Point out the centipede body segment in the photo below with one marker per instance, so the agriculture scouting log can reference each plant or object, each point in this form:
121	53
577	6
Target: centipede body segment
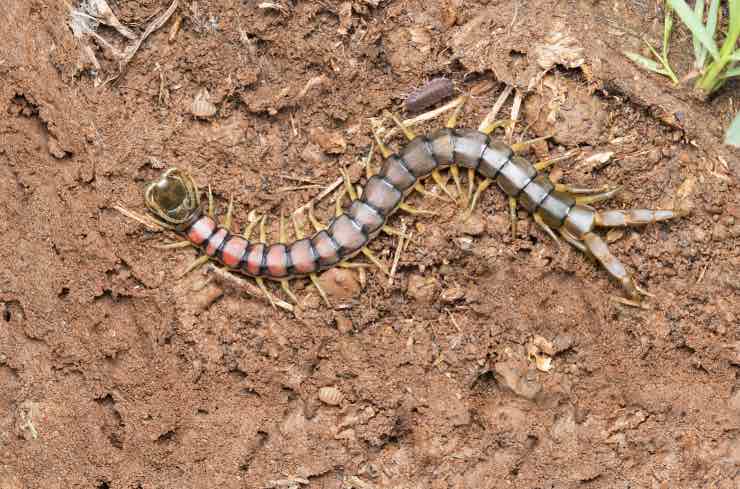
175	200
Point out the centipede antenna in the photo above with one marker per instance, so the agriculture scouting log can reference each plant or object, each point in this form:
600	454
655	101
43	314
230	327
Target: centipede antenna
229	212
406	131
211	211
452	121
263	288
474	200
374	259
513	216
197	263
538	219
145	220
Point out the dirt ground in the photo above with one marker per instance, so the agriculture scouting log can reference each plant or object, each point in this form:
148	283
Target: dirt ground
114	373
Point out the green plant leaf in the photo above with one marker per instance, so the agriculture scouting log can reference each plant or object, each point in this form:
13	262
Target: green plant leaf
646	63
735	56
732	137
713	17
695	25
700	52
731	73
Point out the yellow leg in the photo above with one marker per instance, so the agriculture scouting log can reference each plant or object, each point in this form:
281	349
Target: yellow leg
348	184
512	216
263	288
173	246
211	211
544	164
546	228
600	197
314	278
573	189
519	147
394	232
439	179
474	200
374	259
314	222
285	284
381	145
229	212
250	227
338	204
368	161
471	184
489	128
197	263
406	131
420	188
455	172
452	121
263	229
414	211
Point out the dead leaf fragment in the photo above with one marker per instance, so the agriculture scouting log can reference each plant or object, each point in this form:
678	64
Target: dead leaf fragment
559	49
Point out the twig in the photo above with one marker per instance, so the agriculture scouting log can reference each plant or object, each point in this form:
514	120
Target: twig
244	285
426	116
319	197
397	255
491	116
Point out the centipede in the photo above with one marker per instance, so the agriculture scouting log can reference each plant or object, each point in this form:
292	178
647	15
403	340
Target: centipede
562	211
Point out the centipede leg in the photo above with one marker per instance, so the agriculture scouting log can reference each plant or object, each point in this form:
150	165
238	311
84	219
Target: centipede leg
420	188
197	263
229	212
598	248
572	240
519	147
211	209
481	187
512	216
598	197
538	219
173	246
633	217
414	211
454	169
314	278
576	190
491	127
260	281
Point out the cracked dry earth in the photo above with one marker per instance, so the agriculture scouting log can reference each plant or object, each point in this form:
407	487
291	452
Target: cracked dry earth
488	361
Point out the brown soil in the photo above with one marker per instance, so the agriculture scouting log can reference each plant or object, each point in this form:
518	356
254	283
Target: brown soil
115	374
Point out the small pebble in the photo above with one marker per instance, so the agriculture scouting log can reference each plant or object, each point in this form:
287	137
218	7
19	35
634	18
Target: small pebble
340	283
422	288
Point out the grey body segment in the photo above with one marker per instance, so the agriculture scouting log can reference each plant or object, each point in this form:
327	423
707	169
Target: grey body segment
534	193
396	172
515	176
469	147
326	248
367	217
555	208
347	235
580	220
494	157
418	157
381	195
442	142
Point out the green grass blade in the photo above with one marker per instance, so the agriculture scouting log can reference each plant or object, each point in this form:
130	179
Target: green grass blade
732	72
646	63
733	133
735	56
699	52
713	17
695	25
667	28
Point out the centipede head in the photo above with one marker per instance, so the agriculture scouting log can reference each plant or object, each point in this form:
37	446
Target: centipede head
173	198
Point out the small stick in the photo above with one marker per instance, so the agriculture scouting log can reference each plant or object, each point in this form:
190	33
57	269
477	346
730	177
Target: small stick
320	197
516	106
244	285
426	116
145	220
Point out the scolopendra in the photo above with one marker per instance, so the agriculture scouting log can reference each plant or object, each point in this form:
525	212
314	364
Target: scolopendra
175	200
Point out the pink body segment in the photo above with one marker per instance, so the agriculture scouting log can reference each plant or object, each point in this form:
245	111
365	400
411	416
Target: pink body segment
201	230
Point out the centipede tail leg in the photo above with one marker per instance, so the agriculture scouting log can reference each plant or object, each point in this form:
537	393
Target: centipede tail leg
598	248
633	217
538	219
